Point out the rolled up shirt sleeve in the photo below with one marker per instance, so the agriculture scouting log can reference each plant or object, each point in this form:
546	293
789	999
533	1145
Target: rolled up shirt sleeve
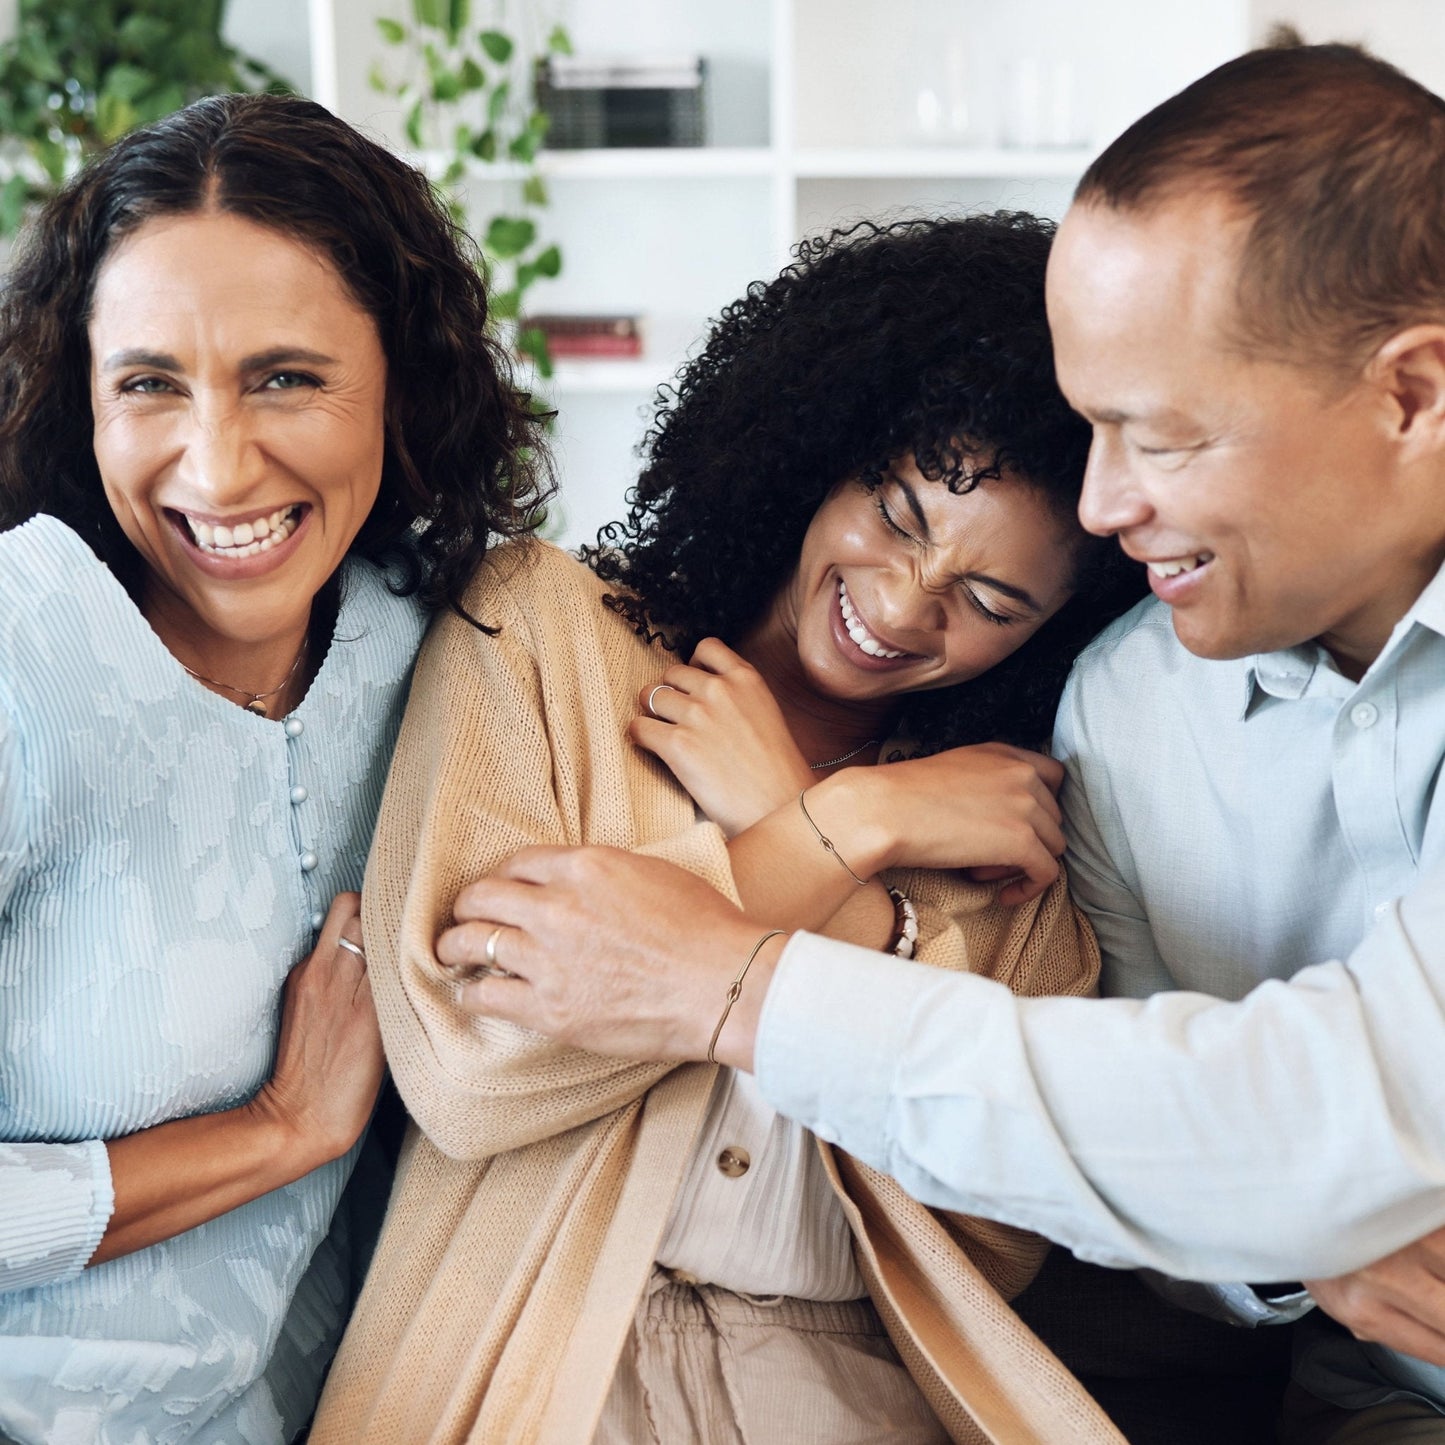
55	1202
1296	1133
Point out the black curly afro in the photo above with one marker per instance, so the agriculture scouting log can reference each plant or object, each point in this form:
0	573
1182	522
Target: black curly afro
925	337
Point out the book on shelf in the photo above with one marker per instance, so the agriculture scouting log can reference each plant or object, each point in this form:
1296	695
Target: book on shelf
589	336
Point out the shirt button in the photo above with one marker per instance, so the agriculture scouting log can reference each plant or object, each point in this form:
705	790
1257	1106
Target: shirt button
308	861
734	1162
1364	714
294	727
317	919
299	794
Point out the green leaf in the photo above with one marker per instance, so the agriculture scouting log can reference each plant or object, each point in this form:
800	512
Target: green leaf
459	15
497	46
549	263
376	79
126	82
533	342
485	146
559	42
13	198
505	305
446	85
114	117
454	172
497	102
413	125
428	13
534	191
473	77
392	31
509	236
526	275
524	147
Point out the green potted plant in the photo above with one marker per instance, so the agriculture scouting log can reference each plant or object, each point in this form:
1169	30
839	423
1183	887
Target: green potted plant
78	74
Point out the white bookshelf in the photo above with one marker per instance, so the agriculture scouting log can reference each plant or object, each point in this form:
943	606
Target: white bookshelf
816	118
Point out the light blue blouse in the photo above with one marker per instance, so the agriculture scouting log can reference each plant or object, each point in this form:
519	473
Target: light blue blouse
165	858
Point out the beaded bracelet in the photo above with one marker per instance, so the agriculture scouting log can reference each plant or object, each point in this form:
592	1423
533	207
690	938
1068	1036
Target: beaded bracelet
905	924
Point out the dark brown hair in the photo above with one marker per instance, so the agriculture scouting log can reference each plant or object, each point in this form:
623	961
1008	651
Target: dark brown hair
1337	162
464	459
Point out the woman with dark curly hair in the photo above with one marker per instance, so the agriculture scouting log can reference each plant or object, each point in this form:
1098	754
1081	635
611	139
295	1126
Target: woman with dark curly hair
854	537
252	431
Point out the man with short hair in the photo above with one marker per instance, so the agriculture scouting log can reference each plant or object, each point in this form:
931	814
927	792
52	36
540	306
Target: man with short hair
1248	304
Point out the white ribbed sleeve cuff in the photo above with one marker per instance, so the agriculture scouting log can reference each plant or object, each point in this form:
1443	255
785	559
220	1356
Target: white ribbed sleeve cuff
55	1202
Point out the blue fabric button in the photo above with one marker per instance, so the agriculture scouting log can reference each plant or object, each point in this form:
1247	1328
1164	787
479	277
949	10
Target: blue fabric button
299	794
308	861
317	919
294	727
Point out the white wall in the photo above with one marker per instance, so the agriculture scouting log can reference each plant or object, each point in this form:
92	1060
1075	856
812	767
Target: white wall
1407	33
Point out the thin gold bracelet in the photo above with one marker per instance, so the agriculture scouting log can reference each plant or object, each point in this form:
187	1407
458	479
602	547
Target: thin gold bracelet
827	843
735	992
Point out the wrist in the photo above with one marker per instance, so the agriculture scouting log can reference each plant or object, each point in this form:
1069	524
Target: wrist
276	1136
734	1043
850	809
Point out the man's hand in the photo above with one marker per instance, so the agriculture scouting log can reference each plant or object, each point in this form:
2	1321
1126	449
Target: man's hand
610	951
1398	1301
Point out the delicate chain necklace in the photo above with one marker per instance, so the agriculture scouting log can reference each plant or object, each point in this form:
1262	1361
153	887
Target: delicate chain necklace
255	701
833	762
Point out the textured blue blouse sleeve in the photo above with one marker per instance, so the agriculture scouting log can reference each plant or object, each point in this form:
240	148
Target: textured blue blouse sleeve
55	1199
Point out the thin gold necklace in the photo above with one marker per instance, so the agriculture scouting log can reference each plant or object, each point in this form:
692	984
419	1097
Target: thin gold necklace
255	701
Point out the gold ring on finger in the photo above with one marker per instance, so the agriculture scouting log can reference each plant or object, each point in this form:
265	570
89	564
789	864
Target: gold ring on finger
489	953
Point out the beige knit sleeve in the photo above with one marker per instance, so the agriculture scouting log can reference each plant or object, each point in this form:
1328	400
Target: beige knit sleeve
473	781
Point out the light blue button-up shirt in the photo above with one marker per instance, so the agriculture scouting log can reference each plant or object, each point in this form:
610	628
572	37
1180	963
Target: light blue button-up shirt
1230	823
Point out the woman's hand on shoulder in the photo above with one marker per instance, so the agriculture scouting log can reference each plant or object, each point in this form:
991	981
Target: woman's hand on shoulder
716	725
990	807
329	1062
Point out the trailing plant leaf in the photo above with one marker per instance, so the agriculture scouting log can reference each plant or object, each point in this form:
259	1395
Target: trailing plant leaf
497	46
476	106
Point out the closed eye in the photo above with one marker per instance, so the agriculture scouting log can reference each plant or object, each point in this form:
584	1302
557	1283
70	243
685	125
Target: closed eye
890	522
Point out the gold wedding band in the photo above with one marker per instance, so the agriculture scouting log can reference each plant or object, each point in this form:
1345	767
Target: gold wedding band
351	947
653	694
491	968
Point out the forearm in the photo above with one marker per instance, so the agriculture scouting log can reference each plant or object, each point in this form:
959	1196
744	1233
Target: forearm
785	876
175	1176
1268	1139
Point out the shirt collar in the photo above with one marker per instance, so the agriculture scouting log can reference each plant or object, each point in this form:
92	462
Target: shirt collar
1288	673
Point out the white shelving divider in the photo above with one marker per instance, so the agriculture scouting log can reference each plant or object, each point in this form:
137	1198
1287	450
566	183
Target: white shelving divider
819	116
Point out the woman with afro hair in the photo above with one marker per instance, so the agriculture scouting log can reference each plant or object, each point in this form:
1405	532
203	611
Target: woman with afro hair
853	540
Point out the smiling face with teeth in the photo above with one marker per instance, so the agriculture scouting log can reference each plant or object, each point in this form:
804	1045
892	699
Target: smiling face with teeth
912	587
238	392
1273	500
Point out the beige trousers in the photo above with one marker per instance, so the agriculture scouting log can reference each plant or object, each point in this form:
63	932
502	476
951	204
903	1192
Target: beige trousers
1308	1421
704	1366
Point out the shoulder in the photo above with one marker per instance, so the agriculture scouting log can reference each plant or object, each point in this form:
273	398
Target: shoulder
1137	668
532	577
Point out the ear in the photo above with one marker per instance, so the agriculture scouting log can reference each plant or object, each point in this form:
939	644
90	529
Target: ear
1410	368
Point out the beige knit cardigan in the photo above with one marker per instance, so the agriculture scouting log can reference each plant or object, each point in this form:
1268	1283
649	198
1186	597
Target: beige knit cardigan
530	1202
